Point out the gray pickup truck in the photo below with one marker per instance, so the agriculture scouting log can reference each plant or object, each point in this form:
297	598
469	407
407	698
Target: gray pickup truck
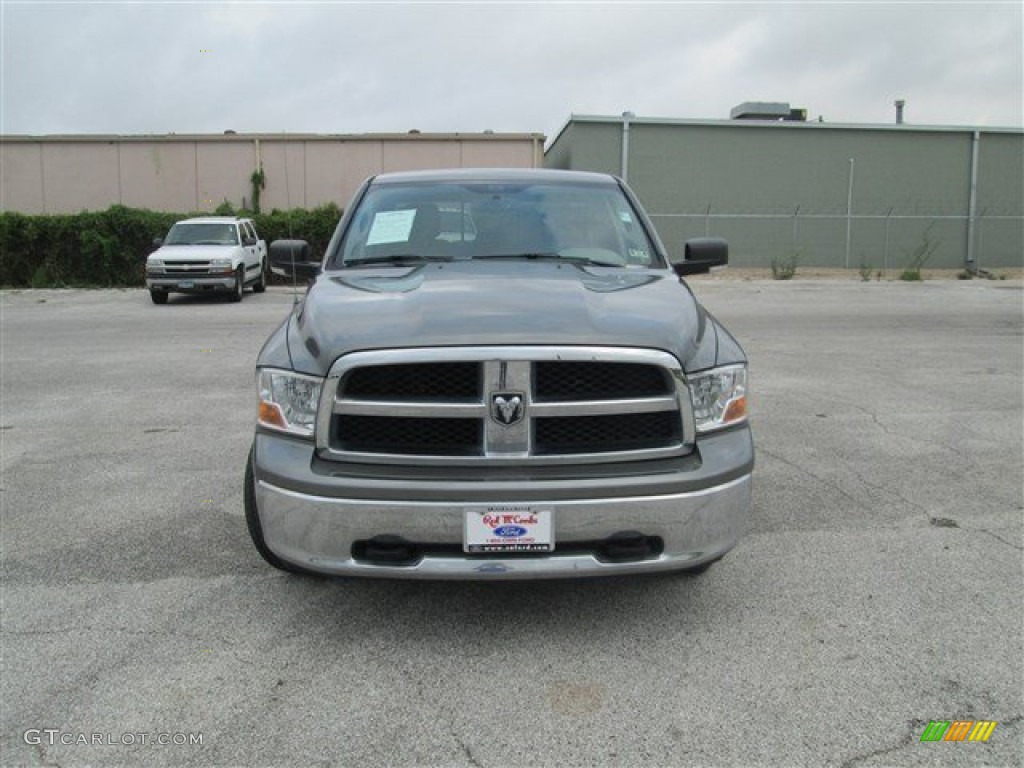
498	374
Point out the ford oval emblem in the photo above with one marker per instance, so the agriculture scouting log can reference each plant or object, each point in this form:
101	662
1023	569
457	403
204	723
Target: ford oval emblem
509	531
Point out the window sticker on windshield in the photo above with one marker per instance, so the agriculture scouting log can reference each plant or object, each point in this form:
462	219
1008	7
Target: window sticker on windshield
391	227
625	217
638	254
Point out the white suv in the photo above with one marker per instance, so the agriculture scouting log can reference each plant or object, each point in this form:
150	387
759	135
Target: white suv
208	254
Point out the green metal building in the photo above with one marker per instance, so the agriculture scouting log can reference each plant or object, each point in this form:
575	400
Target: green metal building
831	195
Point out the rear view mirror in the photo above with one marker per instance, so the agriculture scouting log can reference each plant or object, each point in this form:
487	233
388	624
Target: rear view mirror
701	254
293	258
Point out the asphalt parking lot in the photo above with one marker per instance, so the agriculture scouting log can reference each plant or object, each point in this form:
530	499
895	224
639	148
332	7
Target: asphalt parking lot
879	585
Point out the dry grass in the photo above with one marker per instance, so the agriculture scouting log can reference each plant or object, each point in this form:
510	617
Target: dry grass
805	273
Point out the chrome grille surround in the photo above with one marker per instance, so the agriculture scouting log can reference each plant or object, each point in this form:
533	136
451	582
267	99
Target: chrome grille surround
174	268
508	370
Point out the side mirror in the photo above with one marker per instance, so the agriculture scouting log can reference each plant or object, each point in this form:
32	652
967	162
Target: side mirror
157	242
701	254
293	258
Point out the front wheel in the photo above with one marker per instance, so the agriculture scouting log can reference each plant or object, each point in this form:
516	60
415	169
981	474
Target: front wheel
236	291
261	285
158	297
702	568
252	521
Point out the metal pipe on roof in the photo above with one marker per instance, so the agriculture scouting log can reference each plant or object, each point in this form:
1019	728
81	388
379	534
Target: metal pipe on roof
849	213
624	162
899	104
972	201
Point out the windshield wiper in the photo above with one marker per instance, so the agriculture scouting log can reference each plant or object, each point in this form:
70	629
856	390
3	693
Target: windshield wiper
396	258
553	256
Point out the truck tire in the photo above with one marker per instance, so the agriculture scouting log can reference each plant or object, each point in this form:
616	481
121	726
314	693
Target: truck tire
260	285
702	568
236	291
158	297
252	520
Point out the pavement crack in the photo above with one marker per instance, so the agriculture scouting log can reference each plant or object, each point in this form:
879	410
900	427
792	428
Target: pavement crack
827	483
469	755
961	457
893	492
120	630
913	726
44	760
1018	547
209	643
419	692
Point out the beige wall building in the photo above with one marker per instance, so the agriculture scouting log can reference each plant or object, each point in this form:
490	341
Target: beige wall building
196	173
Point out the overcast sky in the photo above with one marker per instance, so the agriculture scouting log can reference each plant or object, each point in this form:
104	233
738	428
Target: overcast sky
332	67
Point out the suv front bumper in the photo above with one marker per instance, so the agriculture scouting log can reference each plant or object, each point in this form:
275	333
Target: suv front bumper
313	514
191	284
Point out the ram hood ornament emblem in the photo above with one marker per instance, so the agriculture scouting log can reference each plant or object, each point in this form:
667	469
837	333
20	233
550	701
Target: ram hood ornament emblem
507	407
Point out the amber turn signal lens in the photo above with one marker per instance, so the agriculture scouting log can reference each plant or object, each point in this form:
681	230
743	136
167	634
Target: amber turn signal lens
736	410
270	414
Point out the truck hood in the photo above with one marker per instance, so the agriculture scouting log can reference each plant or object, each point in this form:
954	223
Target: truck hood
493	302
193	252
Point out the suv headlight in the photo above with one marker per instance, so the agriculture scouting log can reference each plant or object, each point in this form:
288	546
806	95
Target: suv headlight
220	265
719	397
288	401
155	266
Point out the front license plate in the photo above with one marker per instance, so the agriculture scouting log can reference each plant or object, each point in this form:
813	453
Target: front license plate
186	284
509	528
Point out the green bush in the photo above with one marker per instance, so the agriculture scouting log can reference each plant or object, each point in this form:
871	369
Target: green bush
922	253
315	225
108	248
784	268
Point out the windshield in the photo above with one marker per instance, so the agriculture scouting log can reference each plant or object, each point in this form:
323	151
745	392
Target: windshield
588	223
208	233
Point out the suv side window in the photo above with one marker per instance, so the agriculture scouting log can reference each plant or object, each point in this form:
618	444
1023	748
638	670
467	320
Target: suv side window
248	233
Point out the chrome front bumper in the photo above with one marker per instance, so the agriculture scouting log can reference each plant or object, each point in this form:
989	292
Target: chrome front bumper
318	532
190	284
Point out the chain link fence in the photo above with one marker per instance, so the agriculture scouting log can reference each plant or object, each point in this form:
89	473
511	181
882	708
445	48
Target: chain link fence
879	241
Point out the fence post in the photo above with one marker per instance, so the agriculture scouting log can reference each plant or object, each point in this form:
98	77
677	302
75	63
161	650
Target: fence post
849	213
981	239
885	249
796	214
972	203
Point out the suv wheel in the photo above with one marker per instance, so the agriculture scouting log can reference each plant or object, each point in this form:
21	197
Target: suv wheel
252	520
158	297
261	285
236	292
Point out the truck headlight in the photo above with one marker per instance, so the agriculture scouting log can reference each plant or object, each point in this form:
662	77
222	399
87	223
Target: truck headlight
288	401
156	266
220	265
719	397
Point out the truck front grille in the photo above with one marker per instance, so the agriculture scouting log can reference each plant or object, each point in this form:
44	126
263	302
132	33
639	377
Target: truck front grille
411	381
188	269
410	435
595	434
504	405
557	380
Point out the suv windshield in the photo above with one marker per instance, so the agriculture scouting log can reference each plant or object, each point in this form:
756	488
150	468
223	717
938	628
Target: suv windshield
444	221
208	233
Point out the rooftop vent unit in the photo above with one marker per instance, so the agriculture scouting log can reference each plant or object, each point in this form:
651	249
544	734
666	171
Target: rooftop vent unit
767	110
